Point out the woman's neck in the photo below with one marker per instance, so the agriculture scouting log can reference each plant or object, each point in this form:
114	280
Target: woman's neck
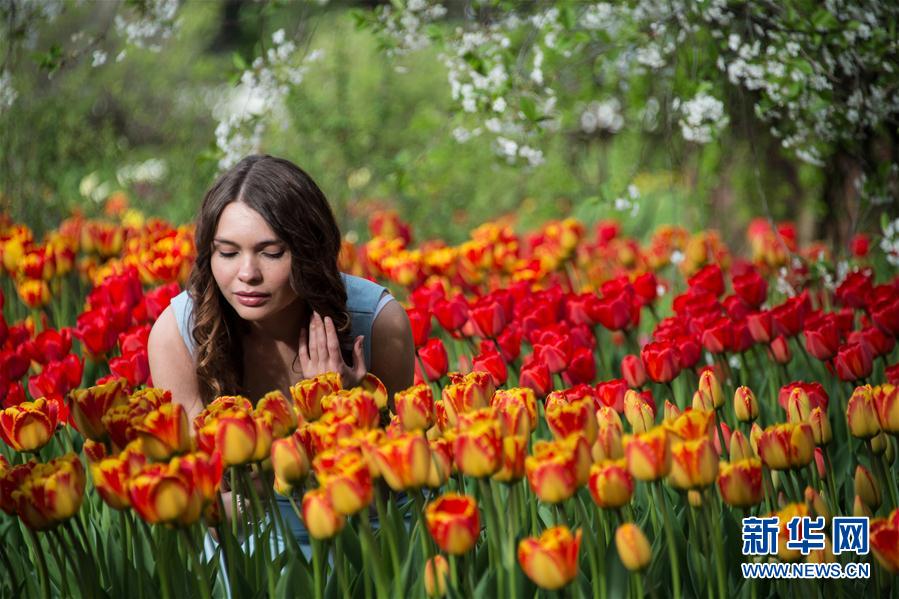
283	326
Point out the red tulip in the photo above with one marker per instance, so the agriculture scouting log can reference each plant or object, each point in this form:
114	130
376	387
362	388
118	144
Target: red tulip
420	323
433	357
662	361
751	287
489	318
853	362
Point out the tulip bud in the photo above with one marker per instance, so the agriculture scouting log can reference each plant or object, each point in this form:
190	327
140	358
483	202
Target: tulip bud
816	503
746	406
861	414
754	433
671	411
886	398
860	509
702	402
552	471
478	449
711	388
321	519
694	498
633	372
638	412
404	462
785	446
879	443
867	488
289	460
740	449
798	407
633	547
436	573
780	350
551	560
819	462
648	454
610	484
164	432
740	483
694	464
453	522
415	407
820	426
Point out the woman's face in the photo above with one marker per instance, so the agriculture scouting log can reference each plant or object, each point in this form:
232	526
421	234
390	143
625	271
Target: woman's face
251	266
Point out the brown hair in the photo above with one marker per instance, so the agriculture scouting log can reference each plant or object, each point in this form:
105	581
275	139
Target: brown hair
298	212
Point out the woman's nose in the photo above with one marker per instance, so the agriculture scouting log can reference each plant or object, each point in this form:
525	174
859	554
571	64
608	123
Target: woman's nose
249	271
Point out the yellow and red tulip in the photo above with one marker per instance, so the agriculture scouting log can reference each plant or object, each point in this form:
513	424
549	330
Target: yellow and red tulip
861	413
454	523
740	482
648	454
415	407
30	425
91	404
164	432
786	446
289	460
610	484
633	547
308	394
694	464
404	462
552	471
478	450
551	559
321	519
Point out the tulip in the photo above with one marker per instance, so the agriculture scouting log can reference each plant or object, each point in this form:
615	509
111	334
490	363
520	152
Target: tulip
478	449
813	392
51	492
671	412
710	387
751	287
780	350
648	454
347	482
861	413
204	471
356	405
740	482
321	519
798	406
884	540
633	372
489	318
633	547
820	426
159	495
91	404
436	573
692	424
886	400
453	522
507	403
662	361
823	341
746	406
694	464
30	425
307	394
854	362
34	293
434	359
536	377
639	412
283	416
565	419
552	471
164	432
235	437
739	448
786	446
515	449
468	393
608	444
610	484
415	407
785	515
867	488
551	560
760	326
816	504
289	460
860	509
111	476
441	461
404	462
11	478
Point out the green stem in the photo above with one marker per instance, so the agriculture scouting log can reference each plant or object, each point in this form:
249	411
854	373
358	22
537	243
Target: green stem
202	574
387	532
373	556
317	574
340	566
669	533
44	575
717	542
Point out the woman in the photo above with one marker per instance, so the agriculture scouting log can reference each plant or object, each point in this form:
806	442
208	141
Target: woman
266	305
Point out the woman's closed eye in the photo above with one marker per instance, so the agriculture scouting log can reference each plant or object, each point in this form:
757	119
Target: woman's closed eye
271	255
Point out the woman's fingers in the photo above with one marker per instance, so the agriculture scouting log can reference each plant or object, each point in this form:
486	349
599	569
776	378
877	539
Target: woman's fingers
335	359
315	343
359	368
303	349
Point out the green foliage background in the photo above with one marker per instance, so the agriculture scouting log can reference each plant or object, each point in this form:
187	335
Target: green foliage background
370	135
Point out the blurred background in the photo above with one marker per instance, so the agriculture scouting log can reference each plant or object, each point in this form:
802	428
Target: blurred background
151	99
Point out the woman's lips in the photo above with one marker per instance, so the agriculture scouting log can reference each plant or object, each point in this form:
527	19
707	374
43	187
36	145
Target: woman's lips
251	300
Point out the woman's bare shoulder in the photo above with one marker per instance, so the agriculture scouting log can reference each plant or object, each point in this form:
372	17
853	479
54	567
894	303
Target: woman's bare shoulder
171	365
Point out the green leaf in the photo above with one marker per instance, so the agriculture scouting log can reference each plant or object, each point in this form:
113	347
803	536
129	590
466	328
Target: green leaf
239	62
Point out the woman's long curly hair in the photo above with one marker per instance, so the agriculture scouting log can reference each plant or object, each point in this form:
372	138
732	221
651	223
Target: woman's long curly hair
298	212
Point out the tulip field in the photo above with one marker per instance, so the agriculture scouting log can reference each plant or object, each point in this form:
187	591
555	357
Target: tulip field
593	416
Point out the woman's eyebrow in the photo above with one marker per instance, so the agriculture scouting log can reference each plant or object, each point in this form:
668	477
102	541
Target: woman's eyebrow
259	245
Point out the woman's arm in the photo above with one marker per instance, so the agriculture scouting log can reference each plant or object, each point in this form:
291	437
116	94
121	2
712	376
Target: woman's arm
172	366
392	349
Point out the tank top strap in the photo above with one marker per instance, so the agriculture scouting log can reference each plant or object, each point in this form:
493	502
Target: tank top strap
183	307
362	301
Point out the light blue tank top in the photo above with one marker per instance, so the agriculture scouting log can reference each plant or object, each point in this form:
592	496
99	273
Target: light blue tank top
364	301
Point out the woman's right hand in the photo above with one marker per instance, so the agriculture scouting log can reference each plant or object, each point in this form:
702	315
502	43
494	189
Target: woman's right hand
319	352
